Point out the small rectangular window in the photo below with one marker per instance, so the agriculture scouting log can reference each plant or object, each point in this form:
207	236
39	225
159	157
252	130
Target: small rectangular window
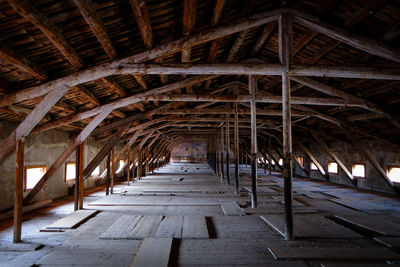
121	165
95	172
33	175
394	174
313	167
280	162
70	171
358	170
300	160
332	167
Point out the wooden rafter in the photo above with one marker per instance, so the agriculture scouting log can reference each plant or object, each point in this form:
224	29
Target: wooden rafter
22	63
89	12
34	16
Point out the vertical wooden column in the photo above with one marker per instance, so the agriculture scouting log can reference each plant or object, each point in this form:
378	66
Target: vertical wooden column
108	172
253	89
147	161
139	169
228	148
81	168
128	175
112	170
217	152
18	193
222	153
269	157
77	165
236	148
285	36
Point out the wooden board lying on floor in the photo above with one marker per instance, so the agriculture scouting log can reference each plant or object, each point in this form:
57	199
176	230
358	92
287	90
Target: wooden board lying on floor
285	253
358	205
391	242
122	227
231	208
279	210
170	226
310	226
72	220
194	227
149	201
380	224
139	227
153	252
146	227
295	203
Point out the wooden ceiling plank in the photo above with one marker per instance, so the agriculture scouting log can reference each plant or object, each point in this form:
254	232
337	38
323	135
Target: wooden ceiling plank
115	87
34	16
89	96
22	63
371	7
263	37
111	68
92	18
365	44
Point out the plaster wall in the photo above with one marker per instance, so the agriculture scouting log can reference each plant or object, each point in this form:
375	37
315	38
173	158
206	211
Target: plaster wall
349	155
43	149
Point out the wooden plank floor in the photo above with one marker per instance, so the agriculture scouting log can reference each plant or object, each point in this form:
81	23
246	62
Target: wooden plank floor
181	204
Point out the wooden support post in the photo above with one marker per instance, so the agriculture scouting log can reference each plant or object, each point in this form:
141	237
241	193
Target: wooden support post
253	89
236	149
269	157
285	39
222	152
108	173
112	170
18	193
81	181
147	162
76	187
129	165
139	169
228	149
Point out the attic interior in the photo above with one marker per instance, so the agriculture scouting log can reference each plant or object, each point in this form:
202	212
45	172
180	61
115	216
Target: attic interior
199	132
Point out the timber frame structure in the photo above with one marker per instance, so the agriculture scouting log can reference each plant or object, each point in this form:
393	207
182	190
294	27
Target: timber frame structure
259	75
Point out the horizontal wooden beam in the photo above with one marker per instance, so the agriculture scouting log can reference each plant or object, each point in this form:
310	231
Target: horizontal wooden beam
247	98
